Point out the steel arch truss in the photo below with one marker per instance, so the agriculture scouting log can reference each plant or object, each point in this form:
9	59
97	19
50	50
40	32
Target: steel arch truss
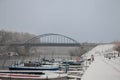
52	39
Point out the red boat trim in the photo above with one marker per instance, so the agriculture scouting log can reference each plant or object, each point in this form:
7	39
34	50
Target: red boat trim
18	75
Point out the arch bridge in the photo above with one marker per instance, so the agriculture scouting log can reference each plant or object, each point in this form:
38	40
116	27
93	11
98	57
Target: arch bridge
49	39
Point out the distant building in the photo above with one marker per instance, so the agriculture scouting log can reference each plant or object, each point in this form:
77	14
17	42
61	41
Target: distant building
12	54
111	54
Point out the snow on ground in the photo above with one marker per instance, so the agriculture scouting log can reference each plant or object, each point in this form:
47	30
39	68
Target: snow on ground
99	50
102	68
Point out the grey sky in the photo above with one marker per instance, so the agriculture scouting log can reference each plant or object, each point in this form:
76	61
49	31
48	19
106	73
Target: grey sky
83	20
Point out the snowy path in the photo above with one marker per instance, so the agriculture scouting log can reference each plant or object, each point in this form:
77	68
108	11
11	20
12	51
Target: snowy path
103	69
113	64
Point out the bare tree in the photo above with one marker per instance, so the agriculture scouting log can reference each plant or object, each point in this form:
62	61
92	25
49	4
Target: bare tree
4	38
7	37
117	48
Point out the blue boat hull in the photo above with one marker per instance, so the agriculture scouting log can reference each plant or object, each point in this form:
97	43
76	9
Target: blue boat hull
31	68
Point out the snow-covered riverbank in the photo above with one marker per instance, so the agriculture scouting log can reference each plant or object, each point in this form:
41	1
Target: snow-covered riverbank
102	68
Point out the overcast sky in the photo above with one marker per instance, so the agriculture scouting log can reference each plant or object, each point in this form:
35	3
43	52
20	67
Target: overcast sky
83	20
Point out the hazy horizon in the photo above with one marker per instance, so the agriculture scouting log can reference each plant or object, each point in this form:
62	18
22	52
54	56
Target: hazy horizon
82	20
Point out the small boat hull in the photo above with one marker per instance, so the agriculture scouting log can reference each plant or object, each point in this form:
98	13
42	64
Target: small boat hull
32	68
30	75
72	63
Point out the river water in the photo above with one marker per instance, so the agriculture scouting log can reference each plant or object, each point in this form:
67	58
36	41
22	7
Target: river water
6	61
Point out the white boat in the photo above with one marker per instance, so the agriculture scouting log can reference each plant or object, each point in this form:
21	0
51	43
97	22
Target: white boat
34	66
31	75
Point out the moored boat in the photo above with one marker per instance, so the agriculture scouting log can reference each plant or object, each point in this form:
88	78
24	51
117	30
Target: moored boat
34	66
72	62
31	75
